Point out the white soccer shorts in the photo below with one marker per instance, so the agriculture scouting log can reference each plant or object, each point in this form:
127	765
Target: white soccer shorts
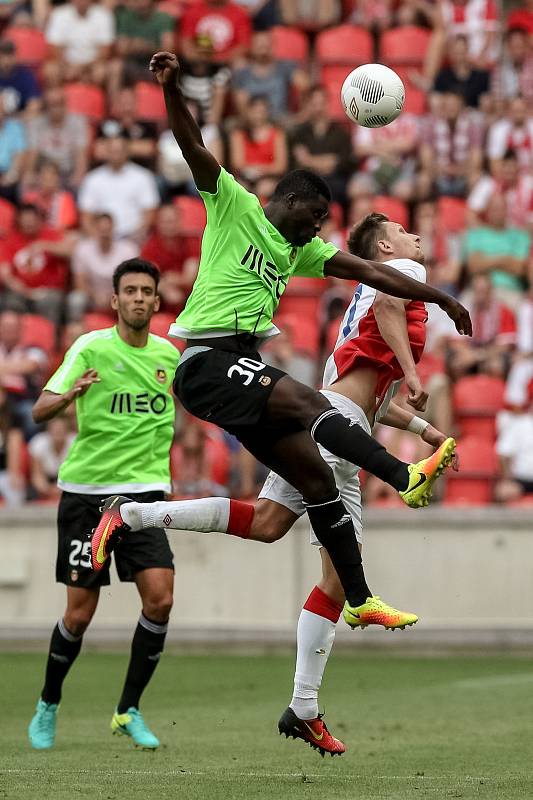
346	474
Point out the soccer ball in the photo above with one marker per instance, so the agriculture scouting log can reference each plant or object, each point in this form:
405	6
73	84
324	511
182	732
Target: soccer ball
373	95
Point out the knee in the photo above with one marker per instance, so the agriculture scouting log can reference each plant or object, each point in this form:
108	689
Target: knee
318	486
78	620
157	607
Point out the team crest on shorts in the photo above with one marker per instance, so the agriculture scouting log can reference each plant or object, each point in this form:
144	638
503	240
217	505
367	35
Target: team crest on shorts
161	375
74	575
265	380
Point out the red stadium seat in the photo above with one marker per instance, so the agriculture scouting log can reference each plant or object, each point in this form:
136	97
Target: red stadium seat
31	45
303	331
302	297
7	216
192	215
405	45
478	469
97	320
476	401
149	102
336	213
38	331
85	99
160	323
345	44
332	76
289	43
451	214
395	209
415	100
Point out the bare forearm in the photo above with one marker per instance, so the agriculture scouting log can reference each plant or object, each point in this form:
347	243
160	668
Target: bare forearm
396	417
182	123
49	405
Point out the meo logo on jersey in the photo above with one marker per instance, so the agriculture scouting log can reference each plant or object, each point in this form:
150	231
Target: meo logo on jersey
142	403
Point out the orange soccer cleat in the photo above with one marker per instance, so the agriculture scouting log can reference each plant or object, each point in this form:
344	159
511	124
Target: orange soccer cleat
312	731
375	612
109	531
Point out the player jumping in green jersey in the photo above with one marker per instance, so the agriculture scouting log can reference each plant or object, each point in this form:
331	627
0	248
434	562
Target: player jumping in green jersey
120	380
248	256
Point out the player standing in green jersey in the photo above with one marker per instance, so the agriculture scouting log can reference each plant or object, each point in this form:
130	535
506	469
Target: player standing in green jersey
120	379
248	256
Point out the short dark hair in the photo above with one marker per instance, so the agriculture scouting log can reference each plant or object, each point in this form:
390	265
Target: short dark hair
304	184
103	215
363	239
135	265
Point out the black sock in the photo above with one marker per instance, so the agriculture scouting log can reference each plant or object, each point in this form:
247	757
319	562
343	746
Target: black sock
146	648
349	441
334	529
64	649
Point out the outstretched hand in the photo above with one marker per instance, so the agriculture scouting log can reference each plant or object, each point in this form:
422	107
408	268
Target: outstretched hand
458	314
165	67
83	384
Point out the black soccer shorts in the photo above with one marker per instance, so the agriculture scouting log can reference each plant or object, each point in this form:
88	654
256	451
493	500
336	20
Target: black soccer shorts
77	515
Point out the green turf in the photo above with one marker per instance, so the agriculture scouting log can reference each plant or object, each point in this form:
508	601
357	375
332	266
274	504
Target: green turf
414	728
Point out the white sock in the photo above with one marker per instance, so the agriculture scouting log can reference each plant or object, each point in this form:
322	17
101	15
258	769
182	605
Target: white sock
208	515
314	640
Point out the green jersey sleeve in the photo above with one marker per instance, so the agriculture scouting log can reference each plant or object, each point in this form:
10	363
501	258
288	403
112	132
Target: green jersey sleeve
311	258
230	199
74	364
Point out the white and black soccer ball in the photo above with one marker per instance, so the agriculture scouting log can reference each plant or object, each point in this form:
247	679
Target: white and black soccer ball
373	95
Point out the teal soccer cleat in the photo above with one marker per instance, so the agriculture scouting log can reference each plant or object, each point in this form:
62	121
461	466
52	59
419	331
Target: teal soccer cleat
42	728
132	724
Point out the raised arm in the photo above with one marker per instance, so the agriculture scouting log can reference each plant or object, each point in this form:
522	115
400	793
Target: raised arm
391	281
204	166
50	404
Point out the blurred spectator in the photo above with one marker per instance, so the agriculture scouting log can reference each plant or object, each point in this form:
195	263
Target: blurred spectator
193	465
11	446
122	189
478	21
56	204
460	75
264	14
80	34
506	179
224	23
34	266
140	136
18	85
48	450
442	250
312	15
258	149
321	144
513	74
280	353
12	153
515	449
176	256
493	338
22	370
521	372
61	137
266	76
450	153
174	174
513	132
205	82
500	251
522	17
376	15
94	260
141	30
387	158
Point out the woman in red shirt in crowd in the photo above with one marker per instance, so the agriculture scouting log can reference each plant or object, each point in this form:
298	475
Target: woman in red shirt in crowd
258	149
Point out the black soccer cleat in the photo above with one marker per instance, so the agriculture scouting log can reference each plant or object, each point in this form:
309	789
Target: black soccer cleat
313	731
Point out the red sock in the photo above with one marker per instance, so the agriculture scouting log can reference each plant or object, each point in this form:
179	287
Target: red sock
320	603
240	518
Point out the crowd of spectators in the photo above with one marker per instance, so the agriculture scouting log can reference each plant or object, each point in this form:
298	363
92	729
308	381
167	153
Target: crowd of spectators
90	175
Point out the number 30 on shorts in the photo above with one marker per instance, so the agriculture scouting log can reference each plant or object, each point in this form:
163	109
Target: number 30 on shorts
80	554
247	368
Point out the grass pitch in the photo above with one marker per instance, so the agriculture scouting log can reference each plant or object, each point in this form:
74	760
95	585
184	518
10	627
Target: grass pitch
414	728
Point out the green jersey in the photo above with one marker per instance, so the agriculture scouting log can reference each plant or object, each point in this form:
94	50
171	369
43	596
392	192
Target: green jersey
125	422
244	268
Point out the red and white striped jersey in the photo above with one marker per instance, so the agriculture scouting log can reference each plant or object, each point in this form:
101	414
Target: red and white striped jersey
360	344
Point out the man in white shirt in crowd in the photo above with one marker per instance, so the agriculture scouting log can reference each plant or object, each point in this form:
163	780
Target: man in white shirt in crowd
80	35
515	449
94	260
122	189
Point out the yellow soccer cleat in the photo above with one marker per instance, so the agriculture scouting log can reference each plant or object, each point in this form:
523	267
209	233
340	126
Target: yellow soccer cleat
376	612
423	475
